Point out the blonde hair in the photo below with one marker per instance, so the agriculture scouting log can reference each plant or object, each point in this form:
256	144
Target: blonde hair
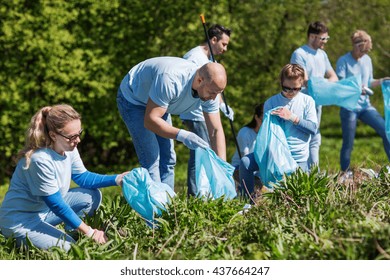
49	118
360	37
292	72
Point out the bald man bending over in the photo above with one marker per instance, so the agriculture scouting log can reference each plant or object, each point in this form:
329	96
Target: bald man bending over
158	87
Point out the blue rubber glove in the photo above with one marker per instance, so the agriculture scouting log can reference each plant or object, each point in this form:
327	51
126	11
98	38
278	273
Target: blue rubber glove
222	107
191	140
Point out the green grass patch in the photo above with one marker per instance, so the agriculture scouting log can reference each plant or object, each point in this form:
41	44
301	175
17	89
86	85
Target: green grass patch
312	217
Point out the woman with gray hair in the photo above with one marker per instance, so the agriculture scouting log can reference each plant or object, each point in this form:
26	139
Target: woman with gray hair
358	63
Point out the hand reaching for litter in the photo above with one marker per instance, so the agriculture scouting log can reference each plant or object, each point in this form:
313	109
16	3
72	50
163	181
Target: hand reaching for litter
191	140
119	178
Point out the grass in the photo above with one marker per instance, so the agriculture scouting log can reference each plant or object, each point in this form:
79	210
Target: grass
313	217
368	149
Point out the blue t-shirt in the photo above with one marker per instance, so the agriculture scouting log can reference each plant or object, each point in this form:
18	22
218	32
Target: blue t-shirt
348	66
167	81
246	138
315	62
303	106
197	56
48	173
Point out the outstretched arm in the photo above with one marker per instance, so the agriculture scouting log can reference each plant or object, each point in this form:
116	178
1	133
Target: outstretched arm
59	207
331	76
155	123
91	180
378	82
216	133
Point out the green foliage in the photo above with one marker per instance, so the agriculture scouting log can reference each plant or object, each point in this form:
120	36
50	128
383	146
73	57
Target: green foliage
311	216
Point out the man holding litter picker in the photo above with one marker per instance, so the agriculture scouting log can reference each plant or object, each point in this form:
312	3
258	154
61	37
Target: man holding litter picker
218	37
158	87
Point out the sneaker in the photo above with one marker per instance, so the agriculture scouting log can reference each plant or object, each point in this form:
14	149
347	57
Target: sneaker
348	175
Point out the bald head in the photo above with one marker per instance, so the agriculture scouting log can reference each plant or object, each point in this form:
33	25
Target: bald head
214	73
210	80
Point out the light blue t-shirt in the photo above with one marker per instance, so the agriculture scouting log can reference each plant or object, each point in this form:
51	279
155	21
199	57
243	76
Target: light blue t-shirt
167	81
348	66
197	56
304	107
246	138
315	62
48	173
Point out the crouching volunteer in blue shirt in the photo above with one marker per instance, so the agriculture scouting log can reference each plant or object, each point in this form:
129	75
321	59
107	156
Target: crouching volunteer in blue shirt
246	139
39	196
300	122
158	87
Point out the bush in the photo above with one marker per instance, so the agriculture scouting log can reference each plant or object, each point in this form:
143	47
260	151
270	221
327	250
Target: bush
77	52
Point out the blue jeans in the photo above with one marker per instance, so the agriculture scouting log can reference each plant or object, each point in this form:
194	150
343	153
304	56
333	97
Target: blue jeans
349	119
200	129
248	166
155	153
45	235
315	142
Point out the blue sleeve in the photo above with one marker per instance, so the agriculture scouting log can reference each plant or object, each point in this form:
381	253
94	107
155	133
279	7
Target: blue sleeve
91	180
307	126
297	58
308	122
341	68
62	210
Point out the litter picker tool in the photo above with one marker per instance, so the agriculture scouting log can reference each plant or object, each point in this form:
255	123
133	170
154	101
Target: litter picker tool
223	95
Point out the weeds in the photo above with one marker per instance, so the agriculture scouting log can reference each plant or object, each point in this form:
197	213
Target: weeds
310	216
